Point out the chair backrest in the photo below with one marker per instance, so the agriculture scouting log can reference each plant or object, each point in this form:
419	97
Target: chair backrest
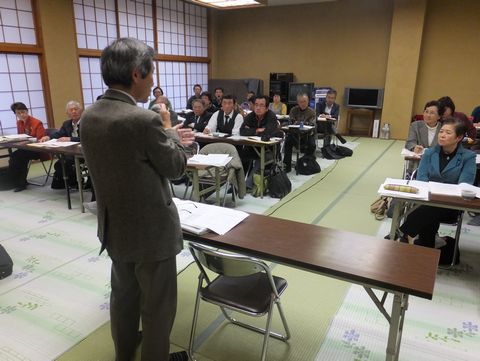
228	264
50	131
220	148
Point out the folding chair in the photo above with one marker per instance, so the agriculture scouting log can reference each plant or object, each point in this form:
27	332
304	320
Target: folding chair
243	284
207	177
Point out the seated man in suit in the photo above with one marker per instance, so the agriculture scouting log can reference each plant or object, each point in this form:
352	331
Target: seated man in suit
198	119
18	163
69	132
300	114
327	108
226	120
197	90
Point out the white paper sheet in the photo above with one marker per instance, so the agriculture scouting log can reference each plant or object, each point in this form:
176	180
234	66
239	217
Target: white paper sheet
198	217
217	160
54	143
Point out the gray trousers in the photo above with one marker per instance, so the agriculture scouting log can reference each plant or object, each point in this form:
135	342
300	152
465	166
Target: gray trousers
149	290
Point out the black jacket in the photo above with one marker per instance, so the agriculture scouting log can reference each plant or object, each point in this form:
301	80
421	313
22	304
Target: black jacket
66	131
251	124
202	121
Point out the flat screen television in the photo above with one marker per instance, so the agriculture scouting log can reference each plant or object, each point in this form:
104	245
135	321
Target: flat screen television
296	88
364	98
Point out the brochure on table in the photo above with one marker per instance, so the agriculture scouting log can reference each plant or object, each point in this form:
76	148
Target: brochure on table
424	188
199	218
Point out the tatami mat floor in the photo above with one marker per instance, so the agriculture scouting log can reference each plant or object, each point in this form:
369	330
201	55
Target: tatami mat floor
338	197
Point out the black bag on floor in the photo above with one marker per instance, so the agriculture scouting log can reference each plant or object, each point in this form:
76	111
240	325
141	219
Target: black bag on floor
332	151
278	183
446	252
6	263
307	165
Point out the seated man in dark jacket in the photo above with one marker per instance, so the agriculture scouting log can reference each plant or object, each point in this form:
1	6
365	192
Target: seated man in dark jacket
198	119
260	122
300	114
69	132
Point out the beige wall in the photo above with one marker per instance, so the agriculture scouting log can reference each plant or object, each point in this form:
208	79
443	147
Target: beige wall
357	49
337	44
402	67
56	17
450	56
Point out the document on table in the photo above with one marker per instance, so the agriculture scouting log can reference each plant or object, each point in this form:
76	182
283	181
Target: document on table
259	139
306	127
217	160
199	218
408	153
54	143
477	160
10	137
452	189
422	187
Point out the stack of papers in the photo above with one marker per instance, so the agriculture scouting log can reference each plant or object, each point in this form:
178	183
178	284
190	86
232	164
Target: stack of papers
452	189
424	188
259	139
408	153
54	143
200	218
279	116
9	138
217	160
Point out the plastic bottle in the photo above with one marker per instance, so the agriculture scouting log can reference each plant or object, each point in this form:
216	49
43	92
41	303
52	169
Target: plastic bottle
301	125
386	131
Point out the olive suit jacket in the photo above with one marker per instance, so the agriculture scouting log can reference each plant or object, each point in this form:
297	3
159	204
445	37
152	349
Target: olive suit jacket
130	157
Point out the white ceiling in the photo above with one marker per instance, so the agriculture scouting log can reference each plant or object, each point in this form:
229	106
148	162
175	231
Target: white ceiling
294	2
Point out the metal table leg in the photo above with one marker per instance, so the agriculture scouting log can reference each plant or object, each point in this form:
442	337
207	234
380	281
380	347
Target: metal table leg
65	179
79	182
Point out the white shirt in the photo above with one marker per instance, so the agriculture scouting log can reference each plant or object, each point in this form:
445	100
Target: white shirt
328	109
431	133
212	123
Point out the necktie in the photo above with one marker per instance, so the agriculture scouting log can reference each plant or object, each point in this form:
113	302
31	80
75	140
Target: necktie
196	119
227	118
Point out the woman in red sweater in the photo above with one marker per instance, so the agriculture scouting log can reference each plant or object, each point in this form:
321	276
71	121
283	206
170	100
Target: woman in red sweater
18	165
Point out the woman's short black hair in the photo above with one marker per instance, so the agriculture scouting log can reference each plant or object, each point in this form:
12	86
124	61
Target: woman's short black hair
460	128
432	103
446	102
157	87
18	106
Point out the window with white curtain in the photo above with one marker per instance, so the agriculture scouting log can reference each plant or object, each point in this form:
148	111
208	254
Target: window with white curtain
173	82
181	30
135	20
197	73
16	22
95	22
92	82
196	30
170	27
20	81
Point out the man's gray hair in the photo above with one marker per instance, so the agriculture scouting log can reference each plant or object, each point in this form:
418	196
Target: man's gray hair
122	57
301	95
74	103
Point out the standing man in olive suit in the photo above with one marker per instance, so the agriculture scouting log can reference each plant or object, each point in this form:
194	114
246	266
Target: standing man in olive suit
131	154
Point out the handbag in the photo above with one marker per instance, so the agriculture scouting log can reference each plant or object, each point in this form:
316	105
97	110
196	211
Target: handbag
278	183
379	207
6	263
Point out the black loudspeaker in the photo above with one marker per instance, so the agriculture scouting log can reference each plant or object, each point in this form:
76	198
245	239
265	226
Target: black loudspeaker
279	84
